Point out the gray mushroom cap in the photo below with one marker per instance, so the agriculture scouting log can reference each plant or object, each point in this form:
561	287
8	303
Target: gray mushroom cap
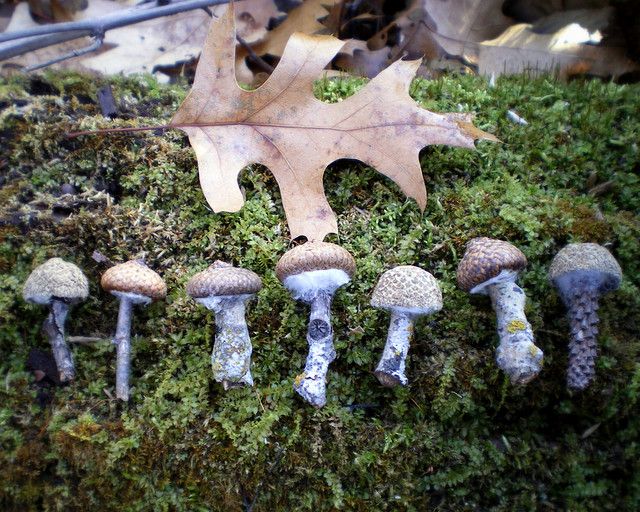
586	263
408	289
56	279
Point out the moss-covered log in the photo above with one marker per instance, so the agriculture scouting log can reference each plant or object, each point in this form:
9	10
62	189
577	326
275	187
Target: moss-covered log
459	437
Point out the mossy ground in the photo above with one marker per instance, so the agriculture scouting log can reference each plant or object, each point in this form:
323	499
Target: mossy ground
459	437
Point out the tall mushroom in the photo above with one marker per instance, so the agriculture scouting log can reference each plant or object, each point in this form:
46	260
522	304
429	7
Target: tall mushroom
312	272
57	284
407	292
583	273
225	290
132	283
491	267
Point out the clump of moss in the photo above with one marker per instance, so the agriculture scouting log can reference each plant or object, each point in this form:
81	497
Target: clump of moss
459	437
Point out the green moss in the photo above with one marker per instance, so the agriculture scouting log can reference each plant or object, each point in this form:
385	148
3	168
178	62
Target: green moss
460	437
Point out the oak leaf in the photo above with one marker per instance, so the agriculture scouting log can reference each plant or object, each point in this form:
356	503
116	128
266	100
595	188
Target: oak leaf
284	127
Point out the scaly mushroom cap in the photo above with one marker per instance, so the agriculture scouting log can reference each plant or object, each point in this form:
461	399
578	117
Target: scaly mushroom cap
56	278
134	277
223	279
588	259
313	256
407	288
485	258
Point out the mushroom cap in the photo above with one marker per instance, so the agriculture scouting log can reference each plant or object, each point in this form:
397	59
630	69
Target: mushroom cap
485	258
587	259
134	277
221	279
56	278
313	256
408	288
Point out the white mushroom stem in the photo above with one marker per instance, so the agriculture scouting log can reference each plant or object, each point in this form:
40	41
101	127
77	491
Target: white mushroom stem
122	341
231	356
312	383
53	326
516	355
391	368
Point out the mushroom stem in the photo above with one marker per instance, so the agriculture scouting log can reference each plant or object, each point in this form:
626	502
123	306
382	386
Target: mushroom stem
582	312
516	355
391	368
123	348
312	383
231	356
53	327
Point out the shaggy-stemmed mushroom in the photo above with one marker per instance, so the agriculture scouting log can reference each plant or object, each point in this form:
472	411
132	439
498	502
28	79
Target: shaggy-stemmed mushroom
491	267
57	284
132	283
312	272
582	273
225	290
407	292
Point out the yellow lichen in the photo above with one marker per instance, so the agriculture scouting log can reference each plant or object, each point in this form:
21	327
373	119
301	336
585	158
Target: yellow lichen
515	326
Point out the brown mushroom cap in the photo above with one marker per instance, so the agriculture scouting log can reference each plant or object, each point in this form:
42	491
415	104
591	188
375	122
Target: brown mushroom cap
223	279
587	257
407	287
134	277
56	278
485	258
313	256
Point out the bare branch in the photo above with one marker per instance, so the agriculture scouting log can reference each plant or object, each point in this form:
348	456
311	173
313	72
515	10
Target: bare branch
23	41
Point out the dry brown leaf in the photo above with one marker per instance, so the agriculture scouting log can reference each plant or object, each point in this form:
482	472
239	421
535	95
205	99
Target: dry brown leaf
356	58
303	18
436	28
283	126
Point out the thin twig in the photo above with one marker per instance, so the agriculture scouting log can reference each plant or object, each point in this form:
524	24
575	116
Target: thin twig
97	43
259	61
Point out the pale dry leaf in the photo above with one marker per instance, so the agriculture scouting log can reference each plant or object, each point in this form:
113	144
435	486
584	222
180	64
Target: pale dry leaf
283	126
144	46
22	20
566	52
162	42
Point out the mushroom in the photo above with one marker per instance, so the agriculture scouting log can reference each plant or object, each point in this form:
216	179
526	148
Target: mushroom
491	267
132	283
225	290
312	272
407	292
57	284
582	273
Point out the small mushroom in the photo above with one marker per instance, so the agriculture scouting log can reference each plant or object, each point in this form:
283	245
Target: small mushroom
491	267
407	292
582	273
225	290
57	284
132	283
312	272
